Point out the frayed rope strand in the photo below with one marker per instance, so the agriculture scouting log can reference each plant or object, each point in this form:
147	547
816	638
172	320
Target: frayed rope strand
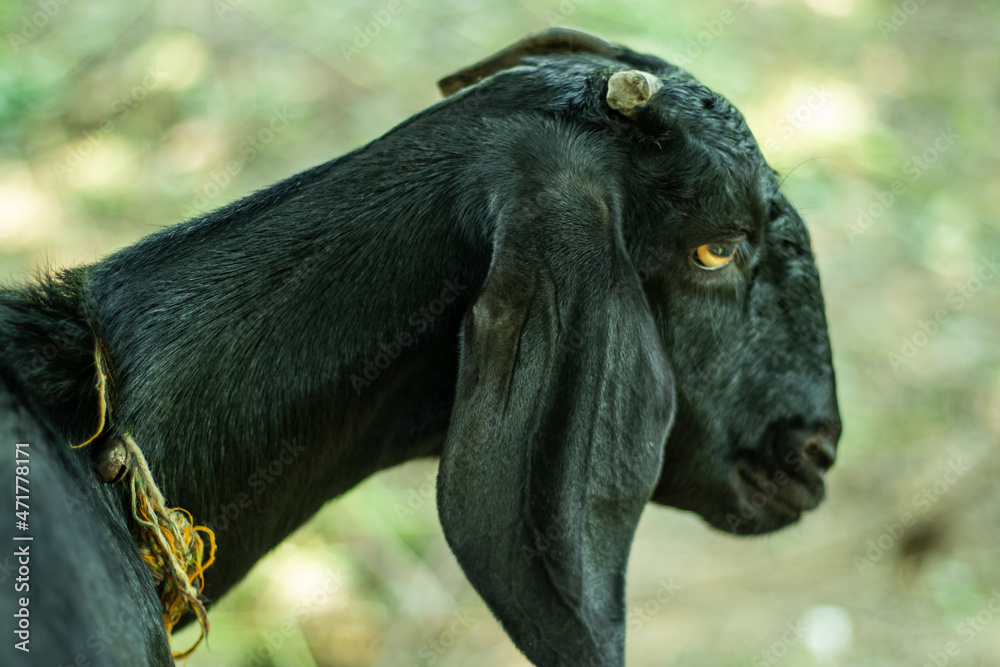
102	395
172	547
170	543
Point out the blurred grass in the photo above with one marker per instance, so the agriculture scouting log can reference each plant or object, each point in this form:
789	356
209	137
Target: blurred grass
119	118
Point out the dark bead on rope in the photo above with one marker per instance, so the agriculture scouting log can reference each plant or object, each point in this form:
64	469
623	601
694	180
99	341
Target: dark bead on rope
112	462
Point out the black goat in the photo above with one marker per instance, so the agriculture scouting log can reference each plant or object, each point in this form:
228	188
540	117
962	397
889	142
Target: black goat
576	280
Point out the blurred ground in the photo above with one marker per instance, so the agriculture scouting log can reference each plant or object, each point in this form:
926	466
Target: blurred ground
118	118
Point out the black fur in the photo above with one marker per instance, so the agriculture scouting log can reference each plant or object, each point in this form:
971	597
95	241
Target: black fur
505	280
90	597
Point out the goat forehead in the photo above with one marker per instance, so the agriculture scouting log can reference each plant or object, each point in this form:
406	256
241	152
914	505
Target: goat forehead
727	194
789	228
711	117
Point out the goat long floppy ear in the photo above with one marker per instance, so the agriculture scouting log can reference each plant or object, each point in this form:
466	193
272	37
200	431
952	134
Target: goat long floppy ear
563	405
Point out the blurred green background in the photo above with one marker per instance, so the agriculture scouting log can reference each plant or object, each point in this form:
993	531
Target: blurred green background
117	118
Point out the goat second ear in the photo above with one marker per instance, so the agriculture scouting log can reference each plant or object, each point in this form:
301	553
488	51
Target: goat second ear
553	40
563	405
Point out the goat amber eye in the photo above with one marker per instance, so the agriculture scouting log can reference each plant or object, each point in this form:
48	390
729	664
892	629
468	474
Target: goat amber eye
713	256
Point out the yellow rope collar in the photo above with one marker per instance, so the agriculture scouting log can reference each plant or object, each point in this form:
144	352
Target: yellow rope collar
170	543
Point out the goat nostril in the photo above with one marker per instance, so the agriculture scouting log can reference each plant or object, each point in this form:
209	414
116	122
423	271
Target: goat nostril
820	450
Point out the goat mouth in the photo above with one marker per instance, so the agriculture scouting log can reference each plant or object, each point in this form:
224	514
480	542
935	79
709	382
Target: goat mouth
782	495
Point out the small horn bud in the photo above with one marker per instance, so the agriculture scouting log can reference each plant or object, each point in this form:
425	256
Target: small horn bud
627	91
112	462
